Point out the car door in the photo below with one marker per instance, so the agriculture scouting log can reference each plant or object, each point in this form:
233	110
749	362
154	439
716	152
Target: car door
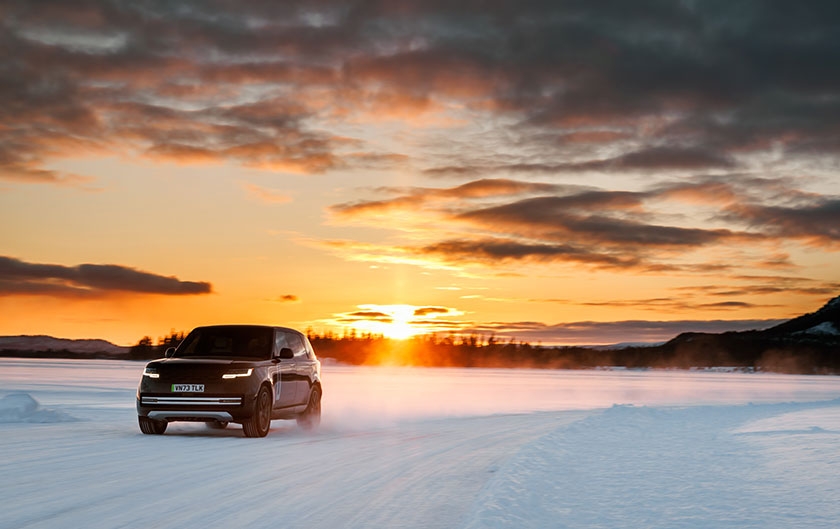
284	373
307	369
301	381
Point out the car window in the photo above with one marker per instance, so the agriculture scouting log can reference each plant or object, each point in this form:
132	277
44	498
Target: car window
310	352
295	344
238	341
280	341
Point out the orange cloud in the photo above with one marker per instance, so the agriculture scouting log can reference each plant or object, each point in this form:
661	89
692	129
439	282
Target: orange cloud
491	221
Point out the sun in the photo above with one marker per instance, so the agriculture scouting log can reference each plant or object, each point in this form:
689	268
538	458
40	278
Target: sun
397	322
399	331
400	327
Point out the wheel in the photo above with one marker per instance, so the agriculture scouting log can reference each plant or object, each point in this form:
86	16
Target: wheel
150	426
259	424
311	416
217	425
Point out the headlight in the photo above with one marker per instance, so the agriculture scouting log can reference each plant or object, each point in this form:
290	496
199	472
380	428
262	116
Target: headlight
151	372
236	373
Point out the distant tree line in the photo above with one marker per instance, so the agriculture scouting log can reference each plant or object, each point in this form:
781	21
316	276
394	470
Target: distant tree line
429	350
746	350
146	350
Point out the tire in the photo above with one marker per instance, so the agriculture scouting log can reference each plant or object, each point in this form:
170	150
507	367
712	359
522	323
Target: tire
217	425
260	423
150	426
310	419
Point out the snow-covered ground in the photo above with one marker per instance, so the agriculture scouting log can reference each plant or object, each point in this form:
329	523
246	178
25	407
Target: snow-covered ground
426	448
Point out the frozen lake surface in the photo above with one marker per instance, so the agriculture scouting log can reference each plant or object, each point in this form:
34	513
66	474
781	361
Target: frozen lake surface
426	448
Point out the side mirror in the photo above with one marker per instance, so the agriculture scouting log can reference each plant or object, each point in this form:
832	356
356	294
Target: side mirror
169	352
285	354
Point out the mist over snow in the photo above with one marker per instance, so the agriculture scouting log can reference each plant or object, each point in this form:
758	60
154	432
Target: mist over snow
431	448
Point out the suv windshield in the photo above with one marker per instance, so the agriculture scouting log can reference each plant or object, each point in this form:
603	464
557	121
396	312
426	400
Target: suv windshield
238	341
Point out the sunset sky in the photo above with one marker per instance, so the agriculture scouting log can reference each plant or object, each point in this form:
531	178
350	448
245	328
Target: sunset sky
559	172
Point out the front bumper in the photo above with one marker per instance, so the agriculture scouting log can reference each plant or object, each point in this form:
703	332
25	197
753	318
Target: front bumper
195	408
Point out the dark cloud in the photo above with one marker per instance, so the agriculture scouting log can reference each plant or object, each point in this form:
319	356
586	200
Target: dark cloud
671	158
736	289
674	303
592	217
817	223
767	285
430	311
501	219
590	224
365	315
728	305
410	198
489	187
668	85
36	288
102	81
497	250
88	280
651	159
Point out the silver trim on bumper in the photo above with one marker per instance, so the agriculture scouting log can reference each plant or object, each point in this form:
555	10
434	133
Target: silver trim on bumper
210	415
193	401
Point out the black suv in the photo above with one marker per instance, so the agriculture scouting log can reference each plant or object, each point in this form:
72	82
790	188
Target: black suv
248	374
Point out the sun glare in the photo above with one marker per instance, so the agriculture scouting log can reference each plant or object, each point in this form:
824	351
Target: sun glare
401	327
397	322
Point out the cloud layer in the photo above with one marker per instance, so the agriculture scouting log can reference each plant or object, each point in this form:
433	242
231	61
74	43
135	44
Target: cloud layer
88	280
505	220
691	140
682	86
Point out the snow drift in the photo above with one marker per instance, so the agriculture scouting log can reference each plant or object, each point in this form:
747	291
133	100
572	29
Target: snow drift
22	407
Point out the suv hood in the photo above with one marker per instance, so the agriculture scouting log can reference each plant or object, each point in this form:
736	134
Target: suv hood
205	361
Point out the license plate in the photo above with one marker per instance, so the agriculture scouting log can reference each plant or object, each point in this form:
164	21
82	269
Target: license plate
188	388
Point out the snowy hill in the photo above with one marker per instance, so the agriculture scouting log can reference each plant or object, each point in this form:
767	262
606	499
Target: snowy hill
807	344
48	344
824	321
